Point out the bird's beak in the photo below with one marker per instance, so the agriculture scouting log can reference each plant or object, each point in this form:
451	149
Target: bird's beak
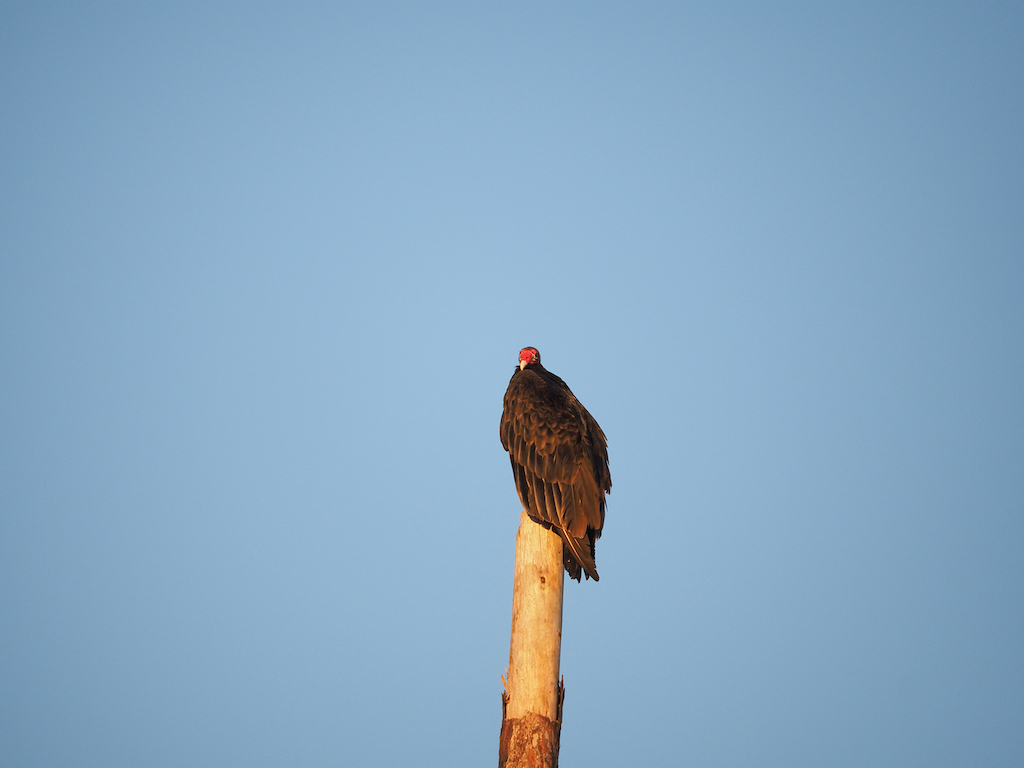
522	364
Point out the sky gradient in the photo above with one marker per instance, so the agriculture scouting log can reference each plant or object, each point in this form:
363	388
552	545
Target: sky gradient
264	275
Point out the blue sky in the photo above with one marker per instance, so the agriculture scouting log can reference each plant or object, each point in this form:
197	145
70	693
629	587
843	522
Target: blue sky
264	274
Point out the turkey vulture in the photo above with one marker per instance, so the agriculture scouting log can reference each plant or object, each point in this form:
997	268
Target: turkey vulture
559	460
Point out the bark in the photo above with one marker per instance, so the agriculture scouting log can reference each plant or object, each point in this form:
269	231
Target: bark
531	740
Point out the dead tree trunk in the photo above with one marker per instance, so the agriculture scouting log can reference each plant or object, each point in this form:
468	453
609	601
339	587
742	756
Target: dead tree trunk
531	719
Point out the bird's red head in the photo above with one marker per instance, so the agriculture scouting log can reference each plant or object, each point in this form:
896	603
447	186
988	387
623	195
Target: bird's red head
528	356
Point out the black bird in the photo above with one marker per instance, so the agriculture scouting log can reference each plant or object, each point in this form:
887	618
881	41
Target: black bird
559	460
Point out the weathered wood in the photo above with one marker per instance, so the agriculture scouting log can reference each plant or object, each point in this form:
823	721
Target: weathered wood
532	703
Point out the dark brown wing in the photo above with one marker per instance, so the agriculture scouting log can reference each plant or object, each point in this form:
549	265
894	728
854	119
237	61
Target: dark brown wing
559	460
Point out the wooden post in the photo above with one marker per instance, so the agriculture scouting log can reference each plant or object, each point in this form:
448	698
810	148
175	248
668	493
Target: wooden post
532	702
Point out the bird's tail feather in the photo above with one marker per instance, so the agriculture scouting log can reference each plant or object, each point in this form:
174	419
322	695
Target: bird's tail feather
576	555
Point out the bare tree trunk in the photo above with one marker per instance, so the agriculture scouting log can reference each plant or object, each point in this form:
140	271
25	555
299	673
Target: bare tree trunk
532	703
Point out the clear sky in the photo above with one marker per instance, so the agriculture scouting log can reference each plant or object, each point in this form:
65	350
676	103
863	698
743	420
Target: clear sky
264	274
